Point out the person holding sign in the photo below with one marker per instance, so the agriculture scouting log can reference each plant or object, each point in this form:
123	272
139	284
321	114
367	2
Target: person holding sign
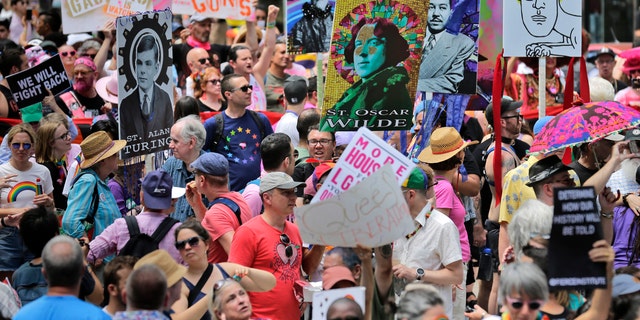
12	61
147	111
431	253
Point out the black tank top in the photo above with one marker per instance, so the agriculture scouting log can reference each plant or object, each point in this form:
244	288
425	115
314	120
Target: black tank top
14	111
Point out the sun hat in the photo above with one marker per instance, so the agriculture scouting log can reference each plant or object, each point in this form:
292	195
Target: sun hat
417	179
156	189
213	164
277	180
163	260
331	276
632	63
545	168
99	146
445	143
107	88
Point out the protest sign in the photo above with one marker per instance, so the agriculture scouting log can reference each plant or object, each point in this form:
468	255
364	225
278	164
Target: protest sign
89	16
376	48
553	29
576	226
309	25
223	9
30	86
322	300
365	154
145	90
371	213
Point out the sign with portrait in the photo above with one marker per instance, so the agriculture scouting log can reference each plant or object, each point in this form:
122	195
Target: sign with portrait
145	90
222	9
376	48
450	55
30	86
309	25
542	29
323	300
89	16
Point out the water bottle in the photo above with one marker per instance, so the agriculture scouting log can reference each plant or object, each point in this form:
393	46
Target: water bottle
485	265
38	186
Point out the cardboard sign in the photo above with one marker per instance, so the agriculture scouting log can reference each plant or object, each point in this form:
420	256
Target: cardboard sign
534	30
365	154
372	213
322	300
576	226
30	86
374	89
223	9
145	91
88	16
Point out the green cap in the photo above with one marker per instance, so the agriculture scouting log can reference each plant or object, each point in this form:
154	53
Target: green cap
417	180
32	113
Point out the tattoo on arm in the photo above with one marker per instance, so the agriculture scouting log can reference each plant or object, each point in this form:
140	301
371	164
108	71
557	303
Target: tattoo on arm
386	251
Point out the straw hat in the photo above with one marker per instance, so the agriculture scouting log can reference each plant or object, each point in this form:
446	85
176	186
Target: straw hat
99	146
445	143
163	260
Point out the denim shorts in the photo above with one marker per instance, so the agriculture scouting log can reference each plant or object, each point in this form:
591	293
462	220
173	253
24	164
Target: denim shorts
12	249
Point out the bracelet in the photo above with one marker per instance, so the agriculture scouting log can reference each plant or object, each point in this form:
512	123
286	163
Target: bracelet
606	215
236	277
3	223
624	199
271	24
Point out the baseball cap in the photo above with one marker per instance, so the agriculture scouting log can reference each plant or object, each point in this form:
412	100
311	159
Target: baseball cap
213	164
605	50
32	113
624	284
198	17
633	134
615	137
277	180
335	274
321	170
295	89
417	180
545	168
506	104
163	260
156	188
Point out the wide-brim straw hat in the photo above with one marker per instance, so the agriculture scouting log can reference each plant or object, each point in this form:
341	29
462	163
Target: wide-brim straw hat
97	147
445	143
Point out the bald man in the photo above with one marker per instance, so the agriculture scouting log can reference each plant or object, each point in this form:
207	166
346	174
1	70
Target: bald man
198	59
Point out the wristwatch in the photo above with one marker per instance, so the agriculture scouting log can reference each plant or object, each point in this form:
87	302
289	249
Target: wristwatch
419	274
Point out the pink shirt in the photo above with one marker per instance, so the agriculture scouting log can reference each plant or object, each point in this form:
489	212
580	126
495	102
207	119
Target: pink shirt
116	236
446	198
219	220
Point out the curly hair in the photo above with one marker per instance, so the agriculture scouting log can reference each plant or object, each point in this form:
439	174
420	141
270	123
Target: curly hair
396	48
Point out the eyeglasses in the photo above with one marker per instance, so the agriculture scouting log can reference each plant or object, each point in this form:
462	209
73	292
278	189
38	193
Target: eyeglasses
288	251
25	146
520	117
64	136
518	304
214	81
68	53
244	88
323	142
204	60
433	184
564	182
193	242
92	56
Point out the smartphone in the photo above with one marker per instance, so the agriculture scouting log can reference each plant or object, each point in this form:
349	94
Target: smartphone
468	309
29	14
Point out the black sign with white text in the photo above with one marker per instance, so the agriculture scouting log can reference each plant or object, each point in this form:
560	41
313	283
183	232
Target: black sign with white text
30	86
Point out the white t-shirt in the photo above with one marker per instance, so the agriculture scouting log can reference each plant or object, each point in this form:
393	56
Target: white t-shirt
434	246
22	192
287	125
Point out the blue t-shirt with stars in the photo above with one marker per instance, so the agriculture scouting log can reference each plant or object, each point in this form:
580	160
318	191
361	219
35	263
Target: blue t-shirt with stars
240	144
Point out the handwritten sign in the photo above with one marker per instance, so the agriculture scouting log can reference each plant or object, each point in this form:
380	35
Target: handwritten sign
90	15
365	154
30	86
576	226
371	213
223	9
322	300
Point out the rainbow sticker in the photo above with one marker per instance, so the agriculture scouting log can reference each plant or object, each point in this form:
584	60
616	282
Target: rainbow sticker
20	187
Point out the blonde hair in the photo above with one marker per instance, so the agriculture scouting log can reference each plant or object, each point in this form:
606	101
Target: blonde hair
21	128
44	136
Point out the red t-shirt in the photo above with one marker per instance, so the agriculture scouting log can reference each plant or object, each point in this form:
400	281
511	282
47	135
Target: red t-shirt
219	220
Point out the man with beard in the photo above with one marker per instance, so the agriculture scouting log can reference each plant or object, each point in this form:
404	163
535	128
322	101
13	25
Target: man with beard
115	277
630	96
83	101
276	77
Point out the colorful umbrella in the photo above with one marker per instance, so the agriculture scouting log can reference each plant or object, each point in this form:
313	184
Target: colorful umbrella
584	123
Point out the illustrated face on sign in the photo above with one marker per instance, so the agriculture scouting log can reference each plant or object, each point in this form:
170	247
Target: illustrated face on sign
439	12
369	54
539	16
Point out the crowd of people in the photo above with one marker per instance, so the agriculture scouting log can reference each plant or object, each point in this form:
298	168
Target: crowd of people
205	230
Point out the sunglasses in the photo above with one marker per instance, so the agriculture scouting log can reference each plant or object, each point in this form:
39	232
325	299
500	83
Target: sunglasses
25	146
520	117
435	182
204	60
92	56
68	53
288	251
214	81
244	88
193	242
518	304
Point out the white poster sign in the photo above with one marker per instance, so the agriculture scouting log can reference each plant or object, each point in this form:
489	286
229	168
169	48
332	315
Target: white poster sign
322	300
89	16
540	29
235	10
371	213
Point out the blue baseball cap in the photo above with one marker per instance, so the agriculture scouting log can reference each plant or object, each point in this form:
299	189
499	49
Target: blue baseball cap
156	188
213	164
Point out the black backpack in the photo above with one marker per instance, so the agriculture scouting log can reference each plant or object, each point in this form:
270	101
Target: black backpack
219	119
140	244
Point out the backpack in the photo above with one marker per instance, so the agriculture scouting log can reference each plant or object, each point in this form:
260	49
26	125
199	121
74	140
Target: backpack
229	203
140	244
219	119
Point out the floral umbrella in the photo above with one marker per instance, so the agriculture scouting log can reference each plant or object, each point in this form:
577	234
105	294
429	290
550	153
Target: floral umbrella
584	123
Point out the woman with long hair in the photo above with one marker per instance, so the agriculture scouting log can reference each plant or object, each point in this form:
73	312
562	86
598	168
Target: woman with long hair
208	91
193	241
